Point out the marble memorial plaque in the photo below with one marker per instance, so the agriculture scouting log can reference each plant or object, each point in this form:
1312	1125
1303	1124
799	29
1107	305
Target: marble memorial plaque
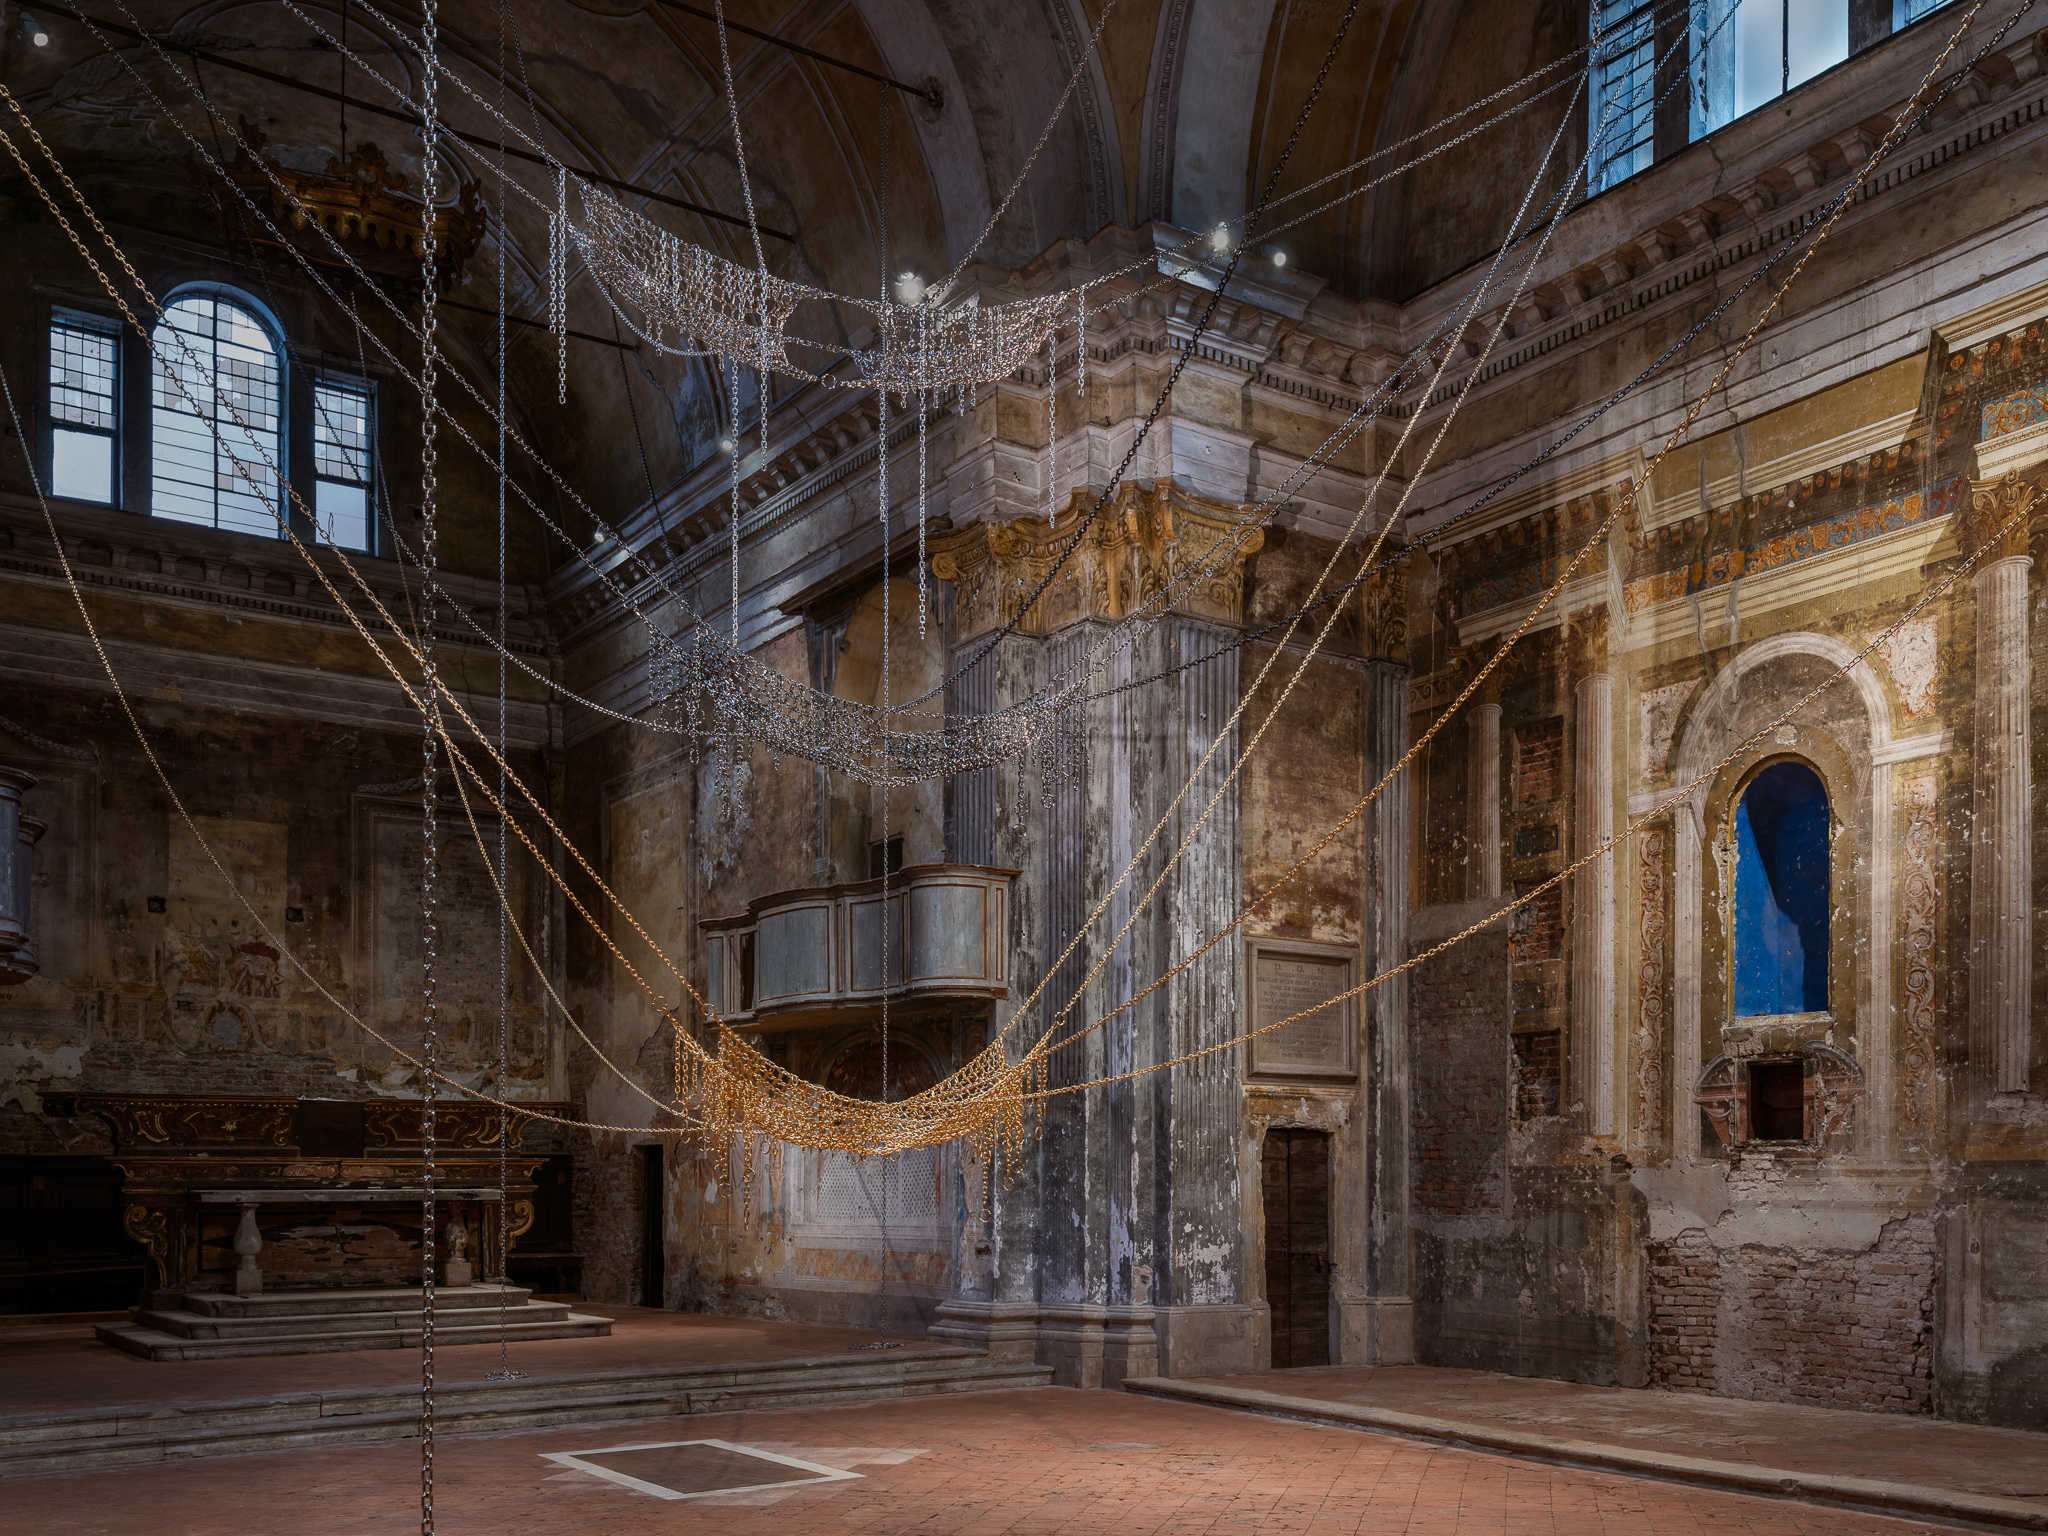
1286	979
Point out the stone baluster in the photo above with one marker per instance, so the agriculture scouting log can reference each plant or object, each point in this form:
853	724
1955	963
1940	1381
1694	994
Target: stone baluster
248	1244
457	1271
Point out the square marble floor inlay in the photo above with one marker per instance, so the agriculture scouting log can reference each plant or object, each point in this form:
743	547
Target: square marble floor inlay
692	1469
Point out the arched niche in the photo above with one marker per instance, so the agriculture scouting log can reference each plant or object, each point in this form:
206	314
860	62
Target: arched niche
1846	735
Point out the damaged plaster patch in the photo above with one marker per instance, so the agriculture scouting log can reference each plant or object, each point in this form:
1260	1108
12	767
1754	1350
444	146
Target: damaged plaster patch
23	1062
1758	1204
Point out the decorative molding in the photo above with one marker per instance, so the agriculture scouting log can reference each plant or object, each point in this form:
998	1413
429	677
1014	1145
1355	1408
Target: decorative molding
1650	931
1095	170
187	1125
459	1124
1664	276
1165	99
1962	331
1910	657
1130	555
1918	1046
89	753
1658	713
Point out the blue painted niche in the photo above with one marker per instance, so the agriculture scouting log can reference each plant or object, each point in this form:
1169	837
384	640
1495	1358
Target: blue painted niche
1781	893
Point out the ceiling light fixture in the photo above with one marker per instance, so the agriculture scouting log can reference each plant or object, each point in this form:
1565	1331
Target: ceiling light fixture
35	32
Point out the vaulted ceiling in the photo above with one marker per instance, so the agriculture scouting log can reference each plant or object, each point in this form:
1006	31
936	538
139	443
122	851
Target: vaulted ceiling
1181	116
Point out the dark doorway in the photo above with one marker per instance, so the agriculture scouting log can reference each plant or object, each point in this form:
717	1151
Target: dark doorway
653	1202
1294	1174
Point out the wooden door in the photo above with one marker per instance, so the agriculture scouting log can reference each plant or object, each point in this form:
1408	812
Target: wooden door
1294	1171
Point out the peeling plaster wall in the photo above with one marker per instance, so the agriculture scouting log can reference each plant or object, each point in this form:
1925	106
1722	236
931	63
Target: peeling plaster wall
195	998
1771	1283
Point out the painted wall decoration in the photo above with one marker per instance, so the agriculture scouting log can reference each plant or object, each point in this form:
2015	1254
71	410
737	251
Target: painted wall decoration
1919	1044
1910	656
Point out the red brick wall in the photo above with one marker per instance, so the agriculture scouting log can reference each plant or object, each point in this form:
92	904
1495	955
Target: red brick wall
1539	1074
1458	1107
1836	1330
1539	762
1543	939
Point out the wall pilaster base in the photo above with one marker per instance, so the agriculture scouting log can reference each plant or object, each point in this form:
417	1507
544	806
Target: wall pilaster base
1213	1341
1375	1330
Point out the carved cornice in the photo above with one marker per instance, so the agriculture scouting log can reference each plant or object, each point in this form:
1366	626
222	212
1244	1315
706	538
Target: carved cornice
1136	549
143	1120
462	1124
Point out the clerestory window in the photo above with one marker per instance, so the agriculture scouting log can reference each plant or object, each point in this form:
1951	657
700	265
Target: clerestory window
1748	52
343	498
216	417
85	409
1712	61
1781	896
218	420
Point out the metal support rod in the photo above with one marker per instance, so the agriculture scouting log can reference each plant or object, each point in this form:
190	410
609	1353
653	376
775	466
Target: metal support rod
928	93
220	61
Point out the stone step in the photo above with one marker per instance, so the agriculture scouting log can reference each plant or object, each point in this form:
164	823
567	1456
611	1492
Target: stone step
336	1299
134	1436
345	1334
196	1325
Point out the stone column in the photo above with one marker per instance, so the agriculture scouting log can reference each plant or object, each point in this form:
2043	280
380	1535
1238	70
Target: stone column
1384	1330
996	819
1205	1324
2001	861
1592	938
1483	798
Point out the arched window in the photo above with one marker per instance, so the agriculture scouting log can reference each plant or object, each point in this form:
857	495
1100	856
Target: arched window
216	397
1781	893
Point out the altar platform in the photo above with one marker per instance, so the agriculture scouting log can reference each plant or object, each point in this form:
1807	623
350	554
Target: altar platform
70	1401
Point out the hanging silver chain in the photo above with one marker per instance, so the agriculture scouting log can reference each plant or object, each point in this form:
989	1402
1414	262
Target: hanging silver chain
430	851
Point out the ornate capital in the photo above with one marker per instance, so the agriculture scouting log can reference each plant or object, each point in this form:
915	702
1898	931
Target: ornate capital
1383	624
1144	543
1992	505
1586	634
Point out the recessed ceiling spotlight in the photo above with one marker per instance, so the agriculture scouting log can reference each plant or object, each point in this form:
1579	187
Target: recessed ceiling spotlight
910	288
1220	241
726	445
1279	258
35	32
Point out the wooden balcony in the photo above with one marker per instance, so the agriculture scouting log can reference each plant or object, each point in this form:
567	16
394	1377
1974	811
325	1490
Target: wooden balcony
811	957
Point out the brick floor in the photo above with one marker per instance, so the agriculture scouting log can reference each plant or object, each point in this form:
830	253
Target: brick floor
72	1371
1884	1446
1053	1460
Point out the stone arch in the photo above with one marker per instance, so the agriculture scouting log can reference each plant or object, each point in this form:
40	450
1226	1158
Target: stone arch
1704	737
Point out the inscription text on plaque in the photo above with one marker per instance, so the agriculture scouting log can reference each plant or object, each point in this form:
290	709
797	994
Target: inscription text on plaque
1287	978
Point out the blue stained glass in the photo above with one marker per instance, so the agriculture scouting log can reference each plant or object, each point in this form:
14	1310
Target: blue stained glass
1782	893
